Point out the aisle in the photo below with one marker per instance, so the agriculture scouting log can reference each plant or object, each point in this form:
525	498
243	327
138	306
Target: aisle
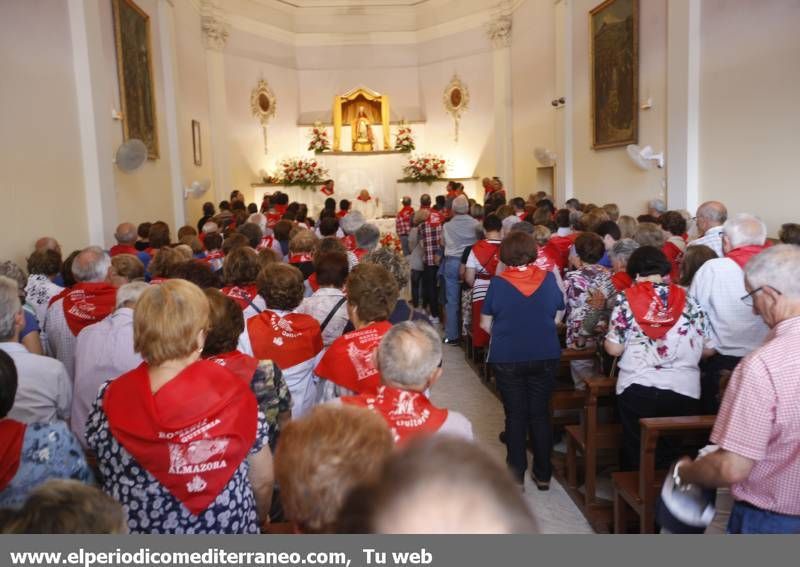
461	389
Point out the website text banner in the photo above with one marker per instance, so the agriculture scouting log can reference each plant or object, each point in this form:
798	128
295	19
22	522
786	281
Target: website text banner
392	551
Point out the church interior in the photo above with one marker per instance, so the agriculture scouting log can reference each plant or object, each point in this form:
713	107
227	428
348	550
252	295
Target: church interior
165	105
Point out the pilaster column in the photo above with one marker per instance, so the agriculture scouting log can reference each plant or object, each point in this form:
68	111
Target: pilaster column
683	104
499	33
215	37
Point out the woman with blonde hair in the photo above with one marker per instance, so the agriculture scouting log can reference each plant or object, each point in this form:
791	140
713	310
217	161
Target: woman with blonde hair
180	441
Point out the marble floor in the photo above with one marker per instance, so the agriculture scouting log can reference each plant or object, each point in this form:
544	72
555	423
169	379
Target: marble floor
461	389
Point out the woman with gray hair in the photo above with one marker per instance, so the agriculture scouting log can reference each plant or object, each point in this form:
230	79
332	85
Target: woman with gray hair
367	237
349	224
31	334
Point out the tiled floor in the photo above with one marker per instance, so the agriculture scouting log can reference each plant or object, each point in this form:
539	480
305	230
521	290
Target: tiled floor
460	389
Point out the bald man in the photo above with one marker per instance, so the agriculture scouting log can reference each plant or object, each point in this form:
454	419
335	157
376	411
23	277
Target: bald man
711	215
125	236
47	243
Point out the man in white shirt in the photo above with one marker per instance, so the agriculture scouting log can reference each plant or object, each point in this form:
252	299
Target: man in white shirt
719	288
44	390
710	218
104	351
90	300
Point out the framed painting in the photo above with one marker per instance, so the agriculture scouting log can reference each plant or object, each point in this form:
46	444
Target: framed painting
135	73
197	150
614	28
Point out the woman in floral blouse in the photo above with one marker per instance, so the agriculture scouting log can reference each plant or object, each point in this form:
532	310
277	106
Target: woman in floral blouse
588	279
660	333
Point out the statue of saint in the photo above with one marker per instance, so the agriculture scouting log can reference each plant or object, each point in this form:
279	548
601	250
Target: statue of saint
362	132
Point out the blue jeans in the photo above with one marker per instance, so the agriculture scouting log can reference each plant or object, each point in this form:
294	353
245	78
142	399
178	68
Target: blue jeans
747	519
404	245
452	295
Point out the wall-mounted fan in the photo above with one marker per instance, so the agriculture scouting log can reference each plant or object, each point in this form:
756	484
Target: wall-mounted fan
197	189
131	155
645	158
545	157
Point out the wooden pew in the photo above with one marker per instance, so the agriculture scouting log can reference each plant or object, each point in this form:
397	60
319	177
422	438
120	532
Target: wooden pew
590	437
565	396
638	491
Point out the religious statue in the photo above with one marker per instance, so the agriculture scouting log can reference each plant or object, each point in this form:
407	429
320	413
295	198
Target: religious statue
363	141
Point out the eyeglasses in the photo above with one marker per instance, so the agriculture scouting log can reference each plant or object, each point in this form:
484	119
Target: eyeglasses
748	299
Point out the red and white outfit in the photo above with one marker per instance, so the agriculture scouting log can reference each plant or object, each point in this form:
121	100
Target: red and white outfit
673	249
70	312
247	298
348	364
214	259
411	414
403	220
484	259
192	434
294	342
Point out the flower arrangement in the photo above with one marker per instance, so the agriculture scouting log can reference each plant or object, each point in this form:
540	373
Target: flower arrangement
404	142
319	139
392	242
427	168
301	171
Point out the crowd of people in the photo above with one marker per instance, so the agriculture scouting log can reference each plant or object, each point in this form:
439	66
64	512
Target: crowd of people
268	368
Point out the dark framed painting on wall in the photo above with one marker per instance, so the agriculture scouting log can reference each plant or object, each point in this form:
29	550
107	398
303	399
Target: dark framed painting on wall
197	150
614	28
135	74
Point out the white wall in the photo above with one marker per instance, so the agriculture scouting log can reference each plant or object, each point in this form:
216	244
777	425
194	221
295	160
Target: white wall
749	117
40	157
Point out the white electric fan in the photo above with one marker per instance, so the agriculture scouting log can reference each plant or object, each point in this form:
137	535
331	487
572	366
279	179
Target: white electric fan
197	189
545	157
645	157
131	155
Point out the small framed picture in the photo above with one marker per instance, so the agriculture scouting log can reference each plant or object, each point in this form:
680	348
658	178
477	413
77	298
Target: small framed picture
196	149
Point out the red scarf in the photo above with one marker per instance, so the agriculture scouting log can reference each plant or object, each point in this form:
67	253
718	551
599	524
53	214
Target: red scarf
240	364
360	253
88	303
406	212
192	434
242	295
122	249
273	219
326	190
544	261
300	258
341	214
281	209
743	255
675	256
366	199
349	363
435	219
486	253
213	255
12	434
266	242
289	340
621	281
409	414
312	281
349	242
655	318
525	279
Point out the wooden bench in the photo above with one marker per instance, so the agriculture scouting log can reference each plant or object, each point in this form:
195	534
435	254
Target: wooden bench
638	491
565	396
590	437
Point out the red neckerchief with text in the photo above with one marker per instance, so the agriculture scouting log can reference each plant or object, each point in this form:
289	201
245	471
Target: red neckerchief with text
273	219
12	434
88	303
122	249
301	258
486	253
243	295
409	414
349	363
238	363
743	255
621	281
525	279
289	340
406	212
192	434
266	242
435	219
655	318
